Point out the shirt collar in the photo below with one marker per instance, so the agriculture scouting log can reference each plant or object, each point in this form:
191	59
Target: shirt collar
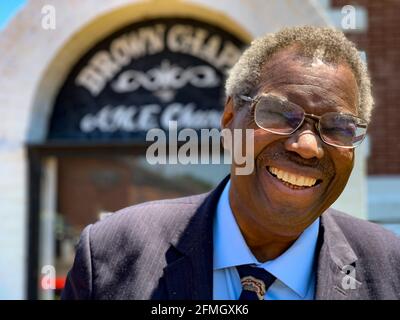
294	267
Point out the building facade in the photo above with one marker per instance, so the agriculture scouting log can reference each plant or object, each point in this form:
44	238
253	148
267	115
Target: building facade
80	92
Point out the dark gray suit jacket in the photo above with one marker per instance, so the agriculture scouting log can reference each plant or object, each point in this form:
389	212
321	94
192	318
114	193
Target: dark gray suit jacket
164	250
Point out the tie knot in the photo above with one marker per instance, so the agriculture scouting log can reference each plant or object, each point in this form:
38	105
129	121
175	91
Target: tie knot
255	282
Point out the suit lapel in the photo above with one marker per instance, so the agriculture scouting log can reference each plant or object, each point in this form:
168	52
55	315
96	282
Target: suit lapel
190	274
337	263
178	277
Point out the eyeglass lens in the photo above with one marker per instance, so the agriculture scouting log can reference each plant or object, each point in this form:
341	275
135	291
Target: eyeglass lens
283	117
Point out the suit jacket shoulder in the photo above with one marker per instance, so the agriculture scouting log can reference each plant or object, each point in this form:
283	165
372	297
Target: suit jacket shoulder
121	256
367	238
363	250
161	220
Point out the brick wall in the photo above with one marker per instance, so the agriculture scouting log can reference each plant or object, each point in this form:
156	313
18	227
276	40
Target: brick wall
381	41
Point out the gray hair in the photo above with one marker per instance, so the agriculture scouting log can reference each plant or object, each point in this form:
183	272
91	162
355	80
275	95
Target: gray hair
329	44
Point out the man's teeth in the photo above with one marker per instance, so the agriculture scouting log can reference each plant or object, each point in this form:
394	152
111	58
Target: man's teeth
291	178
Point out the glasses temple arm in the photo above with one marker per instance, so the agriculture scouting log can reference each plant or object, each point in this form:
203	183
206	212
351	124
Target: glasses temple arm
246	98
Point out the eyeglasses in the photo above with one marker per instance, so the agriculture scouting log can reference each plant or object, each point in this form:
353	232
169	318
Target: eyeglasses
279	116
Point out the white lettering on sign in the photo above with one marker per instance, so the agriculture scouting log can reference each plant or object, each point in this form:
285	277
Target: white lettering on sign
106	64
190	40
133	118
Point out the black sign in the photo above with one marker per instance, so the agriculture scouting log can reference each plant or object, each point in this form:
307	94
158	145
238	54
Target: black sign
144	76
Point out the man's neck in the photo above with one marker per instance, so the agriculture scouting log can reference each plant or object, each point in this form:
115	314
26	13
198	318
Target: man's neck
263	243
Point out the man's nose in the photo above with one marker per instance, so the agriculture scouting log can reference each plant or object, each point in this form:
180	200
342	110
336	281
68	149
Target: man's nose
306	143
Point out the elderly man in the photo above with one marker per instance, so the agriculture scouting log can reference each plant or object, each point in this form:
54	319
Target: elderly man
269	234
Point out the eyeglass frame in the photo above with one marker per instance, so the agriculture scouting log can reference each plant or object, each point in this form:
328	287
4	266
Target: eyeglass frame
316	118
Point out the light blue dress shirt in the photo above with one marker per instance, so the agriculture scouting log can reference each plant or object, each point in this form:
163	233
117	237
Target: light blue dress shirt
293	269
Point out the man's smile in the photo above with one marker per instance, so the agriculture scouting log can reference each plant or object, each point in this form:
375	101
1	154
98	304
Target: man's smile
294	181
286	172
286	176
278	182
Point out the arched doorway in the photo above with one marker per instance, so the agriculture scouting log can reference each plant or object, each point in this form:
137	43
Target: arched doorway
91	159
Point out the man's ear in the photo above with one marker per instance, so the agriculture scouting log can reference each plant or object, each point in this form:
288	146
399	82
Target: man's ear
228	114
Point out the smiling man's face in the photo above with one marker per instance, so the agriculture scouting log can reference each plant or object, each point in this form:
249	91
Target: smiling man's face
270	203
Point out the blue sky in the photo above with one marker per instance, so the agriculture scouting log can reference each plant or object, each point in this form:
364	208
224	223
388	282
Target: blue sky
8	8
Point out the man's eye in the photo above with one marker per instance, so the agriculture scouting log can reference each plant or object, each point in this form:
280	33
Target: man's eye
346	131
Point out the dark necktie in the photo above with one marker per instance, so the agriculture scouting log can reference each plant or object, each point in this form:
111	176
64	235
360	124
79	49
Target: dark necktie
255	282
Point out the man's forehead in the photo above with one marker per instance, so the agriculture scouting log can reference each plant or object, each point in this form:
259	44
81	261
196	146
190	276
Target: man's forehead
291	62
299	76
